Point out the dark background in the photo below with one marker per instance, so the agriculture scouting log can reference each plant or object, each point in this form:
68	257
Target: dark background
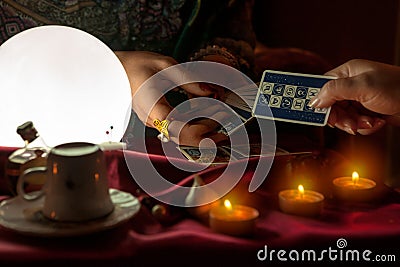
337	30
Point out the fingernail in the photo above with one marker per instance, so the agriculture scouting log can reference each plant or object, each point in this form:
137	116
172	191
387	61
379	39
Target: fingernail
380	122
314	102
364	131
366	124
330	125
349	130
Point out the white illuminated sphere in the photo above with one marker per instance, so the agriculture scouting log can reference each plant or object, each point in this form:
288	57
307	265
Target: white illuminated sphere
67	82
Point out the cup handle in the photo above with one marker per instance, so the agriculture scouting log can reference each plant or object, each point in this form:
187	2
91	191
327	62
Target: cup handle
21	180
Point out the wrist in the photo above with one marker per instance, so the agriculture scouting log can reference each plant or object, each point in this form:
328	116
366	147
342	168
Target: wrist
217	54
219	59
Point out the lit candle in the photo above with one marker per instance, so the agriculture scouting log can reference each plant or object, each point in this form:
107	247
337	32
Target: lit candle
354	188
236	220
301	202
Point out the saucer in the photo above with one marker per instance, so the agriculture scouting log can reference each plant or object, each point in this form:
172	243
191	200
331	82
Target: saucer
26	217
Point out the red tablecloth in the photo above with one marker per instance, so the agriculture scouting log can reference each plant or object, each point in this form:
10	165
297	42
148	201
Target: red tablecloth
143	241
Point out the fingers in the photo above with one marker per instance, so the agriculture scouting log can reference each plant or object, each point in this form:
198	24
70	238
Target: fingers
374	85
194	132
336	90
352	120
373	125
351	84
191	77
160	111
198	89
206	105
343	120
182	76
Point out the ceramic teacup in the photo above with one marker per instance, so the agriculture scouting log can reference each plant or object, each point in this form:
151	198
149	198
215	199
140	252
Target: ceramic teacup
76	187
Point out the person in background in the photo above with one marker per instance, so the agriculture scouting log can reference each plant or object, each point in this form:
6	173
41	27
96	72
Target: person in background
364	97
149	36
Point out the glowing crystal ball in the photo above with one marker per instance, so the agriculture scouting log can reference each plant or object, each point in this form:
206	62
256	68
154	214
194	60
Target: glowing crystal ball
69	83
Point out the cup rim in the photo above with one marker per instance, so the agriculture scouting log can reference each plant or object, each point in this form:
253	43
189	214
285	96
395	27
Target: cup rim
75	149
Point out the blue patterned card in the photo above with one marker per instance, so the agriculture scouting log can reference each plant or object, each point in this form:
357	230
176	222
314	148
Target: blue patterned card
287	95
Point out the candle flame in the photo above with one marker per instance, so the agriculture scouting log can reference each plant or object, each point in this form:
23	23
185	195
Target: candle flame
227	204
55	168
355	177
301	190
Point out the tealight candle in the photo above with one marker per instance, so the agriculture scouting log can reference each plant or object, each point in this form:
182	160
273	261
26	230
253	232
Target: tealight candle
301	202
236	220
354	188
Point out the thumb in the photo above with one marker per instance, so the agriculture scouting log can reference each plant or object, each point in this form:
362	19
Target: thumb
336	90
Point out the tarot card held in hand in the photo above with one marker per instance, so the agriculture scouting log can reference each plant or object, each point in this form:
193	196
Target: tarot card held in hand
287	95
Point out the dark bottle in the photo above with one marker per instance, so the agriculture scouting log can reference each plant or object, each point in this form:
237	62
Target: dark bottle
34	153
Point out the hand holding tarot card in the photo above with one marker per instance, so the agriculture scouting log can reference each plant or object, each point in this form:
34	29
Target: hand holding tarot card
280	96
288	95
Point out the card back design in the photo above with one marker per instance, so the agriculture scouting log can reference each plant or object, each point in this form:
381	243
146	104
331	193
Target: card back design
287	95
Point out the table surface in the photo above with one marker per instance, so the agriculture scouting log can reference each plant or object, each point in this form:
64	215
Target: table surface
188	241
